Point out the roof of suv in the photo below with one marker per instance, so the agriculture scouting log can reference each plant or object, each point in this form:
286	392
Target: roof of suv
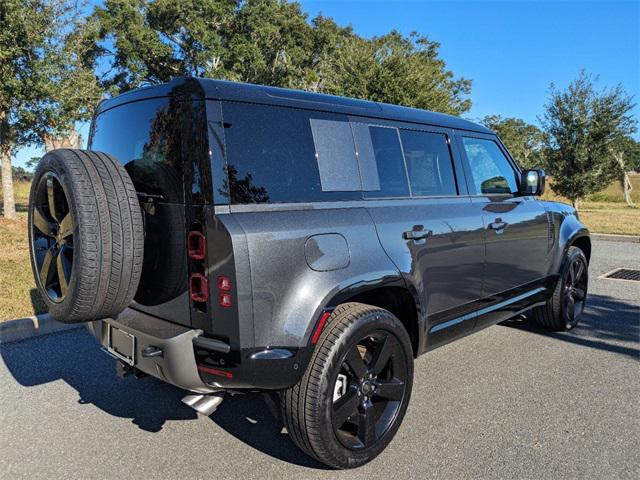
246	92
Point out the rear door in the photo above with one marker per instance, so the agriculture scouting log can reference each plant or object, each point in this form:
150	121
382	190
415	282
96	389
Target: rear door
516	227
425	221
146	137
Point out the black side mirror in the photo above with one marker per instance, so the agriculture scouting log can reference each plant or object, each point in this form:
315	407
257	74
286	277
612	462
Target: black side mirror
532	182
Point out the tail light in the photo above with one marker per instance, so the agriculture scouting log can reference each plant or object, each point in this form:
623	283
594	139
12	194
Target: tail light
196	245
198	287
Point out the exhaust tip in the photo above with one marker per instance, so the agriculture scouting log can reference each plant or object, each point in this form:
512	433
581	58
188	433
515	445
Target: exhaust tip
204	404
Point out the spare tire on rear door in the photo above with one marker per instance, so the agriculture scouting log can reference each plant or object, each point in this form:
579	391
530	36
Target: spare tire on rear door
86	235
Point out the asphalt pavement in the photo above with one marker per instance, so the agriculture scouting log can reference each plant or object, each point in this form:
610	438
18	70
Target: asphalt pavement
511	401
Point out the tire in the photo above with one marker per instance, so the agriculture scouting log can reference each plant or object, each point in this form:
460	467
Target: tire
93	249
309	411
558	314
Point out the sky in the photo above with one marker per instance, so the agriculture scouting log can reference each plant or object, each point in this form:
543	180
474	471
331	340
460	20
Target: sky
511	50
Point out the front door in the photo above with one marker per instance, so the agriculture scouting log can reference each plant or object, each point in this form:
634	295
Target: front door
516	229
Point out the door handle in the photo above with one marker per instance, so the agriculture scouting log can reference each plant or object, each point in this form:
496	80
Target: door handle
418	233
498	225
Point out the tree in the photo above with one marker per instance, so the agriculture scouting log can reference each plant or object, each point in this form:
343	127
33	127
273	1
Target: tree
626	152
269	42
523	140
41	85
581	125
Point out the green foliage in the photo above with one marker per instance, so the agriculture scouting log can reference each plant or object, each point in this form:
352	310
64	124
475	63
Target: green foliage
44	87
20	173
523	140
581	125
630	150
268	42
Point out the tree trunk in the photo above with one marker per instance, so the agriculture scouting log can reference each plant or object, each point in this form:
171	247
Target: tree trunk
9	205
627	187
625	180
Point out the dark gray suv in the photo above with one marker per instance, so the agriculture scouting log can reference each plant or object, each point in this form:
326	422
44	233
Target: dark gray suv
223	236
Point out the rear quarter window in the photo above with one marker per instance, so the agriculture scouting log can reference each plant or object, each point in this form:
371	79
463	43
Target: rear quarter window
272	156
145	137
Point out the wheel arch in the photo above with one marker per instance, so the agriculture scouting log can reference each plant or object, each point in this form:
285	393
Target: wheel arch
393	296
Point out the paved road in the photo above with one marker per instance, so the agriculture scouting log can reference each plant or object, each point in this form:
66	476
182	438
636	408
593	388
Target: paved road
509	402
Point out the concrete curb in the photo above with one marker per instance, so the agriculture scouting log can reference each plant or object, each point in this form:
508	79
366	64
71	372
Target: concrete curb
30	327
607	237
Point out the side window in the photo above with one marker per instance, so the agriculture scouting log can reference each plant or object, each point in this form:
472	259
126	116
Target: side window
383	143
272	156
429	163
491	171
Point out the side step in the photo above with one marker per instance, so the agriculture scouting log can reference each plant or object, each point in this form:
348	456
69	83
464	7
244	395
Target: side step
204	404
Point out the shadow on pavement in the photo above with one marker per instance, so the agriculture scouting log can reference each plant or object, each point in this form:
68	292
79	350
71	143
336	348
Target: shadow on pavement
75	358
608	324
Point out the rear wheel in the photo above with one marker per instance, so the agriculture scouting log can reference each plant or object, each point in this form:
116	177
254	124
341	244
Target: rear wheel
355	392
564	309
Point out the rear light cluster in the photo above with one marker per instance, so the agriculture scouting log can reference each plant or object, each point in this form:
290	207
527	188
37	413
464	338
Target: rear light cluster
198	282
197	253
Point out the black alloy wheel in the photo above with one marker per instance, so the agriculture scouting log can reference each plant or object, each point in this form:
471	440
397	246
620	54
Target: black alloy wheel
575	291
375	373
352	398
52	233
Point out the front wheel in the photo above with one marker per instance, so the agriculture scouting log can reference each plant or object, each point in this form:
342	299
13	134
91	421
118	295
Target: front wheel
565	307
353	396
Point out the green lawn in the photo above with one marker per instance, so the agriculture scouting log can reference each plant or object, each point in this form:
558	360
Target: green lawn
18	297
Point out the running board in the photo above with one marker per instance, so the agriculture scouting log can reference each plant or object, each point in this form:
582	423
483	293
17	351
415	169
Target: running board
204	404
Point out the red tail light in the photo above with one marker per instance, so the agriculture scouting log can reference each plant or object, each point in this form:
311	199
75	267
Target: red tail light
225	300
196	245
224	283
198	287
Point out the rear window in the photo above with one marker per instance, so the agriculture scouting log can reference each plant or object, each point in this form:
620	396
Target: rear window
429	163
274	153
145	137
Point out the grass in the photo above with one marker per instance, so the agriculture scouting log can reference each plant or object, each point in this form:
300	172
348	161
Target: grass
18	295
603	212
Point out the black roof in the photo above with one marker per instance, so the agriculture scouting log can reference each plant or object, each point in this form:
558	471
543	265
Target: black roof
247	92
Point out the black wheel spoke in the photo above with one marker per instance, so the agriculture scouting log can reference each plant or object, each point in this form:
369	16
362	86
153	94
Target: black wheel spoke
62	274
366	425
51	199
571	307
390	389
66	226
46	268
579	271
346	406
43	225
381	356
579	293
355	362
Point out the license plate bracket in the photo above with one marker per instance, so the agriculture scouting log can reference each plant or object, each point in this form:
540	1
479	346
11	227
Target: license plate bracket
121	345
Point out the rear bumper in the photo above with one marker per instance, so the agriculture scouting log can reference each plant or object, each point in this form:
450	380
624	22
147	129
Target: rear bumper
176	365
197	363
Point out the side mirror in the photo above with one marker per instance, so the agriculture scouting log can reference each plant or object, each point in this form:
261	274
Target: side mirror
532	182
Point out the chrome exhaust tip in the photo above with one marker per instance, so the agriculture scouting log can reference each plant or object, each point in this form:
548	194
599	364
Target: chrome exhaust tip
204	404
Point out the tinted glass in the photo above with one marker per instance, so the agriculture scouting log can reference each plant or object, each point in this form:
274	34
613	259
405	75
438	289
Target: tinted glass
271	156
429	163
145	137
491	171
390	163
